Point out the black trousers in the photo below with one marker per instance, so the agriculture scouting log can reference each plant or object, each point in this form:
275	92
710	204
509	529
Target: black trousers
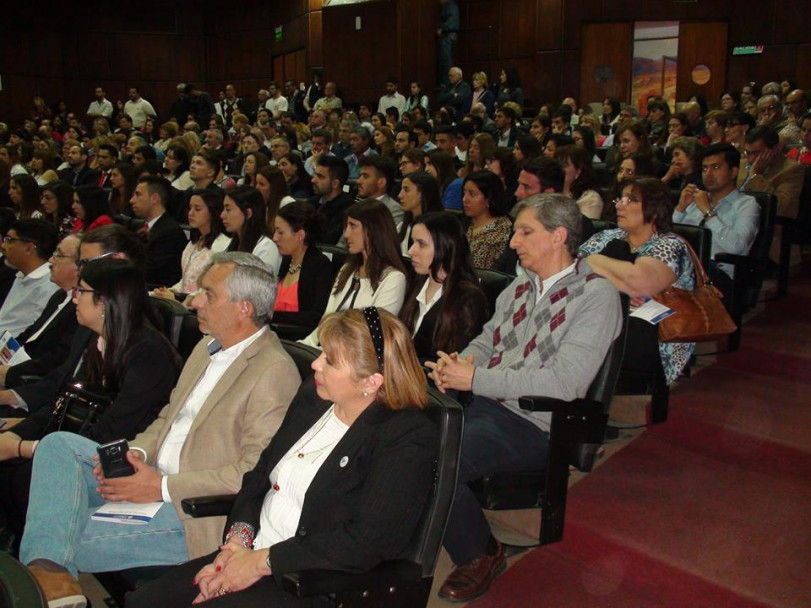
175	590
15	481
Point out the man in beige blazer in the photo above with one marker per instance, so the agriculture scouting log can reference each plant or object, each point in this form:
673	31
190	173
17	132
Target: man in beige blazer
228	403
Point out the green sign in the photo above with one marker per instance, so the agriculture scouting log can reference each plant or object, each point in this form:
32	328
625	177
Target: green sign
277	34
748	50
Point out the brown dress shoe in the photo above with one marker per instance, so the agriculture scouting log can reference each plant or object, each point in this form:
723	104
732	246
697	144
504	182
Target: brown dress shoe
60	588
473	579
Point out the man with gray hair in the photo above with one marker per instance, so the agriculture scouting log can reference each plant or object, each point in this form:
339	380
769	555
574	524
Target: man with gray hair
549	335
457	93
230	399
770	114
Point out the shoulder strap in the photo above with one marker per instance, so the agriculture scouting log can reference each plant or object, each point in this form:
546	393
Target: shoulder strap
701	276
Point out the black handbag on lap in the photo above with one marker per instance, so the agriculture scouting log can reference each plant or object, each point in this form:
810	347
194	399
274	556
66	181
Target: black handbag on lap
76	409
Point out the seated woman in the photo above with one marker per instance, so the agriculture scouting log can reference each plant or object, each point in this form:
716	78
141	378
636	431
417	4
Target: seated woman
445	307
296	176
272	186
485	205
384	141
413	159
685	166
373	274
504	164
91	208
243	217
207	238
43	166
441	166
419	193
123	178
481	147
362	408
250	166
527	147
305	277
56	198
580	183
24	193
656	259
125	358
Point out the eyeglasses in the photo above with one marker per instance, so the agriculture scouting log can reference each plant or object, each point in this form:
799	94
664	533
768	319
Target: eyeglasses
58	255
82	263
77	291
12	239
624	200
47	197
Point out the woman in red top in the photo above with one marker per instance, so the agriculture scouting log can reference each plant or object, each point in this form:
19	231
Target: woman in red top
91	208
803	153
305	276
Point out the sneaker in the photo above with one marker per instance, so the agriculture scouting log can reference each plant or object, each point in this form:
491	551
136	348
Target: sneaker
60	588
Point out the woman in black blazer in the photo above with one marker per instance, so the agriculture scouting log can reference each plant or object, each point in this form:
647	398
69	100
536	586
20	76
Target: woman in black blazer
305	276
341	486
445	308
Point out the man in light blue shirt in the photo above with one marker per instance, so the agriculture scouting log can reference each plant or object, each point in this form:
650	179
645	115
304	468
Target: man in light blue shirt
733	218
27	247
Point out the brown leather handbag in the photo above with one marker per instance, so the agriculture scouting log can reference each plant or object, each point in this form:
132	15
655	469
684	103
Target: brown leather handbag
700	313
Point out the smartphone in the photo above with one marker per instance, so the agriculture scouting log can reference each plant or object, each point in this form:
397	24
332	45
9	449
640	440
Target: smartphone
113	459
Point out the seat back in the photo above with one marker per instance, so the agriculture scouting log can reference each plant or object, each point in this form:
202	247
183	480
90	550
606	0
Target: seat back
700	240
337	255
493	282
302	355
768	213
18	587
166	313
448	416
186	333
600	225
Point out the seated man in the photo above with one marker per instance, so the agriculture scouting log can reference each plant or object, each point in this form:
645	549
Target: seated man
766	169
548	336
165	239
732	217
229	401
27	247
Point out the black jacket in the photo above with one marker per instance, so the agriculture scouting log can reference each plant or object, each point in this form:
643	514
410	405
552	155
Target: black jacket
164	246
471	315
85	177
333	213
366	499
51	347
314	286
152	368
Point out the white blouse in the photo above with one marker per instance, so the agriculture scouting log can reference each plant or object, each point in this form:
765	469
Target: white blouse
291	478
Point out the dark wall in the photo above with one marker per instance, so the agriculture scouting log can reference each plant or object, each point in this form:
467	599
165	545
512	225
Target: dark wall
163	42
75	47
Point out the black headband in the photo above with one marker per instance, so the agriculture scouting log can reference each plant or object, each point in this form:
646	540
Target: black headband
376	330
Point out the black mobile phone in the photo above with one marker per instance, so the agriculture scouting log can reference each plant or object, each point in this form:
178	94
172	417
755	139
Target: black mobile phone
113	459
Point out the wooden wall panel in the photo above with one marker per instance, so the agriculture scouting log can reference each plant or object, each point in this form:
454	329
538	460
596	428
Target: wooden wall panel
518	24
595	53
315	46
549	25
792	23
702	43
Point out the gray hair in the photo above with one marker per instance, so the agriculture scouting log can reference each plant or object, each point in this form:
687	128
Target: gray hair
456	70
362	131
556	211
181	86
770	100
251	280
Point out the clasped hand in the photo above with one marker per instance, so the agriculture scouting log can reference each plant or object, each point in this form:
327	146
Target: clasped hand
142	486
235	568
451	371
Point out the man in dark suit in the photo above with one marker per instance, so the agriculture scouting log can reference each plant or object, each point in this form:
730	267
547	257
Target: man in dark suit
106	159
330	175
165	239
79	174
457	93
46	342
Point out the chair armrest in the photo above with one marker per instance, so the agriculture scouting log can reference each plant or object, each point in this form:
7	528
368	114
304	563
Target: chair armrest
208	506
731	258
559	406
308	583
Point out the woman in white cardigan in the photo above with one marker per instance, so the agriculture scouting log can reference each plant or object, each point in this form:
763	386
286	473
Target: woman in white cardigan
374	273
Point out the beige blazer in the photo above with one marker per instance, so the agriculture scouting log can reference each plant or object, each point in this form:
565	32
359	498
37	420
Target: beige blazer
234	425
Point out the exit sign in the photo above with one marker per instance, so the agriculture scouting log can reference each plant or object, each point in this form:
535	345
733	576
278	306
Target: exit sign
277	34
756	49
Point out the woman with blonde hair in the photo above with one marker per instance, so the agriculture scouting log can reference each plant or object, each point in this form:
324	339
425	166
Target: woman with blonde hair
482	93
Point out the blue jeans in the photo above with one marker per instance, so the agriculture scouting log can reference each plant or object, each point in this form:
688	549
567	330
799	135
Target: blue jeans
63	497
494	440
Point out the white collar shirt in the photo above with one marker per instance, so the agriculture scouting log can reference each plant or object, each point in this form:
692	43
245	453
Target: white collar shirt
545	286
426	304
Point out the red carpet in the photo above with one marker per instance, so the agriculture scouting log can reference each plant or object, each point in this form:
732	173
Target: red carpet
710	509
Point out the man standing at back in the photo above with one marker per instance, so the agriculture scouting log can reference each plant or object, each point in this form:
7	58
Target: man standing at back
165	239
138	108
446	28
228	403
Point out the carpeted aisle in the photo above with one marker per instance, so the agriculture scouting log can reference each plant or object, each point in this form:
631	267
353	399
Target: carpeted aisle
711	509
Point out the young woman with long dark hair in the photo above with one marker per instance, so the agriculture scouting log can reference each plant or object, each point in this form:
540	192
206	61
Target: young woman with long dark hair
374	273
244	218
445	307
419	193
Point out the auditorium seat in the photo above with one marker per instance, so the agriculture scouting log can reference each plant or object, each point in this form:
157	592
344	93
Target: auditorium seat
795	232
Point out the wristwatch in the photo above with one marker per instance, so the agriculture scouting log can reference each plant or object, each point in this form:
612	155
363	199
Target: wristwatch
267	561
710	213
